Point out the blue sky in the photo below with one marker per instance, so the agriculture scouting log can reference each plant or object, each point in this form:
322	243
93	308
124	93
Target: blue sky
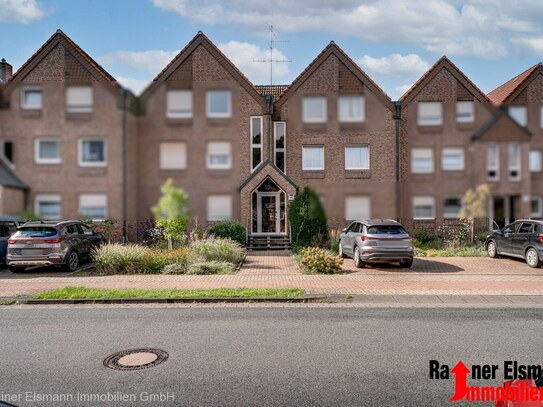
394	41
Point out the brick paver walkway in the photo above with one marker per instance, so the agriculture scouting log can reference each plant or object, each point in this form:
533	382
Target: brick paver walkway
435	276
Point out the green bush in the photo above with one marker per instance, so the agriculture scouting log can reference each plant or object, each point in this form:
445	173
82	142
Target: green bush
218	249
480	237
307	219
317	260
211	267
175	268
229	229
427	237
115	258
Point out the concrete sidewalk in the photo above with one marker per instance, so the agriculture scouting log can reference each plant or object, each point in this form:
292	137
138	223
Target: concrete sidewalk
463	277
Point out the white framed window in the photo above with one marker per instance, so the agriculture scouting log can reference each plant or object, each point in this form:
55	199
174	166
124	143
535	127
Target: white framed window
314	109
93	206
312	157
541	117
256	129
519	114
31	98
280	138
452	159
535	207
92	152
219	207
422	160
430	114
493	162
173	155
465	112
514	161
357	208
219	155
357	158
79	99
351	109
179	104
219	103
47	150
48	206
452	206
424	207
535	161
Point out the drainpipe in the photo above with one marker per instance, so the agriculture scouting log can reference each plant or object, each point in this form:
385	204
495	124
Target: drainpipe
123	165
397	118
269	111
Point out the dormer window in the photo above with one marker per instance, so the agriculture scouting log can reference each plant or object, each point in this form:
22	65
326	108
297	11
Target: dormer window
32	99
314	109
79	99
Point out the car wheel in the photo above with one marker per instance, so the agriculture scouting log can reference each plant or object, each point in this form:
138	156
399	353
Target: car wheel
72	262
532	258
341	254
491	249
14	269
406	264
357	261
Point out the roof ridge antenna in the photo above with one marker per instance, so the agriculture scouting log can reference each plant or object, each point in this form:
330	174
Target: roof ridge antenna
271	44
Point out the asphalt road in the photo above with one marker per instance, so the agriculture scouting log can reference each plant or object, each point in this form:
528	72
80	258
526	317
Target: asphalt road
255	356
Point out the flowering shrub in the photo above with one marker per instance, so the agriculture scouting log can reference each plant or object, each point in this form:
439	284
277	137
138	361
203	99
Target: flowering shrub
457	234
317	260
217	249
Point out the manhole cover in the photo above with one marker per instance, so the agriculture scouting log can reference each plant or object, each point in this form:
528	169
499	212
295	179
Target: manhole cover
135	359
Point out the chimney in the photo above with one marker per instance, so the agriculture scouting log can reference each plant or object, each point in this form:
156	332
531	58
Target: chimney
5	71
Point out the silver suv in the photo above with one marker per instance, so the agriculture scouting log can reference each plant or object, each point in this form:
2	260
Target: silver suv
376	241
51	244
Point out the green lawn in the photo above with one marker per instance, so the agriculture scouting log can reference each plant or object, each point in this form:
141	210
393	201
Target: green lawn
106	293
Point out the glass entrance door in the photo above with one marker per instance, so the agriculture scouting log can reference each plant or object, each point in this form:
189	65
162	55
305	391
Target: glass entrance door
268	213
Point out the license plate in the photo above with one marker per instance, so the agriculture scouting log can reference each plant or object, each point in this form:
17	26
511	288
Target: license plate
31	252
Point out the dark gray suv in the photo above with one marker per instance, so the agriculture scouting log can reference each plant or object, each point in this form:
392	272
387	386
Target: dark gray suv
50	244
522	239
376	241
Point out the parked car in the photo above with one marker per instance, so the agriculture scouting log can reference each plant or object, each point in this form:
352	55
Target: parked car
8	226
376	241
47	243
522	239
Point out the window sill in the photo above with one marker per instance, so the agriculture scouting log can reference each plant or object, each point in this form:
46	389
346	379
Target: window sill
314	126
179	121
226	173
219	121
465	126
313	174
430	128
362	174
31	113
79	116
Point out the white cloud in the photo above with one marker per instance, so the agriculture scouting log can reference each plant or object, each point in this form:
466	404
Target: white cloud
243	55
533	45
135	85
151	62
481	28
20	11
400	90
394	64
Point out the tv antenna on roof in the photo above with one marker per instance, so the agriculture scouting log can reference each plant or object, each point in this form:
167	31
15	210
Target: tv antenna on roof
271	44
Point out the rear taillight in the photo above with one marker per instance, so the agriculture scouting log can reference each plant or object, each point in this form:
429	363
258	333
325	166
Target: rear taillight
541	238
363	238
11	241
56	240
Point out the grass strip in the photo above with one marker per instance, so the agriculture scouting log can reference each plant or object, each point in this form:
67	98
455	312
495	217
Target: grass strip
108	293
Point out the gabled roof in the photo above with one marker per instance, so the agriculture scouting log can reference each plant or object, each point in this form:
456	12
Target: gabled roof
263	165
502	127
81	56
201	39
444	63
504	92
9	179
334	49
275	91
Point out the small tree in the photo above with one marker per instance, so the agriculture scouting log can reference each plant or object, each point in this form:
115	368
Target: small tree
172	213
474	207
307	219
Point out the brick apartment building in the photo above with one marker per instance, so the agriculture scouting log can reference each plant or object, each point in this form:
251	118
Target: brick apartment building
75	143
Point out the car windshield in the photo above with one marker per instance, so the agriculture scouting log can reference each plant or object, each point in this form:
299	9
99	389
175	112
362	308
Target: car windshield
35	231
386	230
7	228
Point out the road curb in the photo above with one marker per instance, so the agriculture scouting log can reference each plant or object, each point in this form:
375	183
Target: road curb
206	300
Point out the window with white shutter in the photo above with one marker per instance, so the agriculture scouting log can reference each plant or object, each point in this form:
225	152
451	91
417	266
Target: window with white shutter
219	207
173	156
93	206
357	208
79	99
430	114
179	104
219	155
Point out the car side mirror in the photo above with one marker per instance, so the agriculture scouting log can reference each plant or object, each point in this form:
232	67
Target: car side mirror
344	230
